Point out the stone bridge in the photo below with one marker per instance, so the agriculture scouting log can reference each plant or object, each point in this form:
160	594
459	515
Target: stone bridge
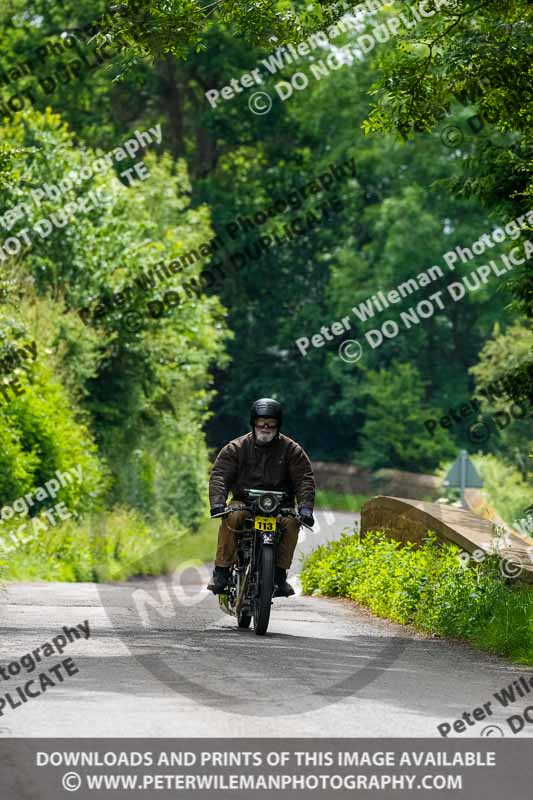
410	520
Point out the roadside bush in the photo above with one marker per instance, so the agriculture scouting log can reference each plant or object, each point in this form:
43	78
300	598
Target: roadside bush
429	587
41	429
47	428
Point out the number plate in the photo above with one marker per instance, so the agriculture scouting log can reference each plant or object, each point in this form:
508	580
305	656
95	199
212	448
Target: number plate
265	523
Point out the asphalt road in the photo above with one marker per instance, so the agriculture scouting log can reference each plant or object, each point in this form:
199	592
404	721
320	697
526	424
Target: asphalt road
162	660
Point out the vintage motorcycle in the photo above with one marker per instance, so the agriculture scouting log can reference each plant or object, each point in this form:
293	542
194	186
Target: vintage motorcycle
251	585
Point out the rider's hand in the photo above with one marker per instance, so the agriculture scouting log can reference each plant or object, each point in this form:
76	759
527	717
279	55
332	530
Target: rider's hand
217	510
306	515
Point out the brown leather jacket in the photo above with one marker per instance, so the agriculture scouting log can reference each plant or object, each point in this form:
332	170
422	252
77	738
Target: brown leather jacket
281	465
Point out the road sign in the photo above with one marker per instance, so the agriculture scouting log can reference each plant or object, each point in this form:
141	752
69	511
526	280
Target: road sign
463	474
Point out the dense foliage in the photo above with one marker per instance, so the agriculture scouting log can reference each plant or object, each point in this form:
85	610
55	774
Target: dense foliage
429	587
142	386
135	383
478	55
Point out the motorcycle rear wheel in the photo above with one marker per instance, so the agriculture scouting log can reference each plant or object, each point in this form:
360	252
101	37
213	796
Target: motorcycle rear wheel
263	602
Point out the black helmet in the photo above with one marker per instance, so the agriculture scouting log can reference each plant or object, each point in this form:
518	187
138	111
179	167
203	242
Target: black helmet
266	407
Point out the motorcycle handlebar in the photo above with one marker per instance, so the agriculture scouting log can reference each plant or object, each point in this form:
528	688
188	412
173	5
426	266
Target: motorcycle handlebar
284	511
297	516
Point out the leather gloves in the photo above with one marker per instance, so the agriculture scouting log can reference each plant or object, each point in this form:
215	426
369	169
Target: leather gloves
217	510
306	515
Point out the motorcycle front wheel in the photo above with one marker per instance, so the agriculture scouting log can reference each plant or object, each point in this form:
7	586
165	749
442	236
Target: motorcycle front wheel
244	619
263	601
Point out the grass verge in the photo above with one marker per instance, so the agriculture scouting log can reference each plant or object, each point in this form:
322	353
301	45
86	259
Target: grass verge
340	502
105	547
428	587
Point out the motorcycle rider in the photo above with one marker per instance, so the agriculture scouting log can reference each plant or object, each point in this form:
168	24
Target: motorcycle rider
262	459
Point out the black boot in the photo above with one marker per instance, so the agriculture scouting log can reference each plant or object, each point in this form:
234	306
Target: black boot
219	581
283	589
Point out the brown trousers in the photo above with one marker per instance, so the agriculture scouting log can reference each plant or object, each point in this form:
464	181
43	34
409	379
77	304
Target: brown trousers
227	542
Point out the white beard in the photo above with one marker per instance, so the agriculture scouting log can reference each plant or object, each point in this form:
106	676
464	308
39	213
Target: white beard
264	437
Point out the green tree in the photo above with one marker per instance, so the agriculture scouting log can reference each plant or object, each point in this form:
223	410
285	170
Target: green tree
393	434
501	357
396	218
143	390
481	54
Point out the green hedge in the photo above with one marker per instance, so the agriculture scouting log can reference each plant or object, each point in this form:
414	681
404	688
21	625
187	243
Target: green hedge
429	587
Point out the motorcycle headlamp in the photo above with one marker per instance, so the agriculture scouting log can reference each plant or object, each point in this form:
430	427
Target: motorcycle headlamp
268	503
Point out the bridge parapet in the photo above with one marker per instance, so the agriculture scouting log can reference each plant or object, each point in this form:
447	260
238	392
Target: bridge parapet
410	520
